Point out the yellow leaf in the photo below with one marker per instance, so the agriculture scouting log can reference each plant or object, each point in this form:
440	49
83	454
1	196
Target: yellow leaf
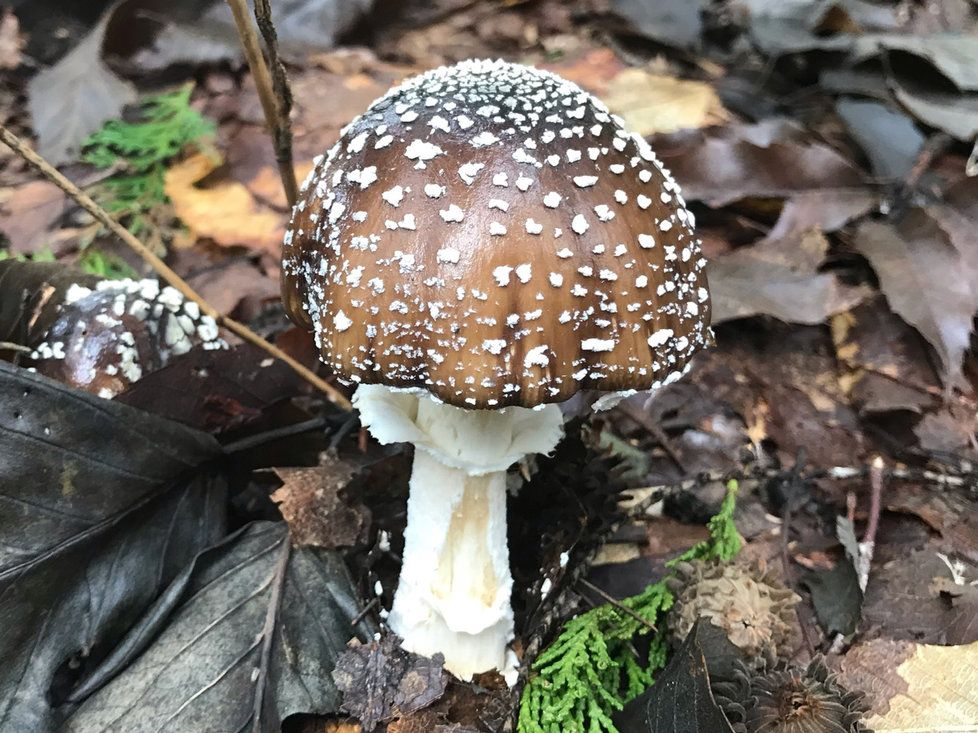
226	212
651	103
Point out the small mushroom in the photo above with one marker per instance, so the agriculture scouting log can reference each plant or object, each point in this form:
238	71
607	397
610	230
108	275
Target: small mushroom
104	338
483	243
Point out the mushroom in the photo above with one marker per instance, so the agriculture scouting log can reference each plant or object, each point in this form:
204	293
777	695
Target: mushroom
103	338
483	243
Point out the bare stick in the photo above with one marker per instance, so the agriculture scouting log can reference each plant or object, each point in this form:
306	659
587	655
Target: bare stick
276	115
868	545
164	271
608	598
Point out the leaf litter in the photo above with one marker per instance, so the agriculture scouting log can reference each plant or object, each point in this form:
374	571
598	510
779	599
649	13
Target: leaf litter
822	147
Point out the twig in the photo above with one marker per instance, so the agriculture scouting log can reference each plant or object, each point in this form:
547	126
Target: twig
364	611
644	420
276	109
608	598
8	346
868	544
268	632
163	270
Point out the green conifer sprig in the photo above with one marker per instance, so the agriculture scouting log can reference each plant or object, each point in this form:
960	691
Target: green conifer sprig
591	670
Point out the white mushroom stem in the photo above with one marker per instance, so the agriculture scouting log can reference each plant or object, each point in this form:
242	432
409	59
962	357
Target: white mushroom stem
453	595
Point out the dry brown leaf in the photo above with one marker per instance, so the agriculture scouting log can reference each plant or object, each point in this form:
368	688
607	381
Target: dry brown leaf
226	213
593	70
917	687
312	502
29	215
656	103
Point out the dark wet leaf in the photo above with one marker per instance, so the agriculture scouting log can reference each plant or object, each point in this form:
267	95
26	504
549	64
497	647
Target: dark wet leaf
890	139
836	594
101	506
773	158
674	23
681	700
318	510
380	680
251	637
215	390
927	280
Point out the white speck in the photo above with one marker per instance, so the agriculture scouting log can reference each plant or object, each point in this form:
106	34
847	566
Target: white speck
482	139
494	346
467	171
354	276
641	281
573	155
643	201
409	116
556	279
500	179
383	142
585	181
501	274
498	204
356	144
608	275
598	344
660	337
646	241
421	151
407	222
579	224
393	196
523	183
545	587
453	213
341	322
532	227
496	229
564	558
616	168
433	190
604	213
438	123
359	216
464	122
448	255
665	225
565	253
552	200
524	272
364	177
537	356
645	176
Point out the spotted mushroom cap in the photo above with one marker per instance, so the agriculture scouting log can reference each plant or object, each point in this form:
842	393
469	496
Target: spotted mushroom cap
491	234
104	338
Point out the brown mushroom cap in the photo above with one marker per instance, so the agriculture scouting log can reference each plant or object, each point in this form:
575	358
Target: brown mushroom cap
491	234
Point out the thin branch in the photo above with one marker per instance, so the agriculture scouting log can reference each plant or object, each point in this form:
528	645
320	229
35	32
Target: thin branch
163	270
276	110
608	598
283	96
268	632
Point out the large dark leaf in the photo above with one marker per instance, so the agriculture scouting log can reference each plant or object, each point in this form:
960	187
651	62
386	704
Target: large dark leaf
681	700
253	639
101	506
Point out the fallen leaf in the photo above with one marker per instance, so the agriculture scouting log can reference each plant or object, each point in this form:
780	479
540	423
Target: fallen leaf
29	215
226	212
890	139
884	360
380	681
593	70
915	686
250	632
103	506
836	594
655	103
947	431
232	284
684	685
779	278
927	282
72	99
314	504
675	23
772	158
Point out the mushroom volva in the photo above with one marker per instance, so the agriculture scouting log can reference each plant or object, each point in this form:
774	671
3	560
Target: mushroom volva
484	242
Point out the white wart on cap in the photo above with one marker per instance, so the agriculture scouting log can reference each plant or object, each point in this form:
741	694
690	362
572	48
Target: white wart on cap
491	234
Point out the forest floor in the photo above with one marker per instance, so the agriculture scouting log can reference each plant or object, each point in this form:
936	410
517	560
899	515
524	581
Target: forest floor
826	149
